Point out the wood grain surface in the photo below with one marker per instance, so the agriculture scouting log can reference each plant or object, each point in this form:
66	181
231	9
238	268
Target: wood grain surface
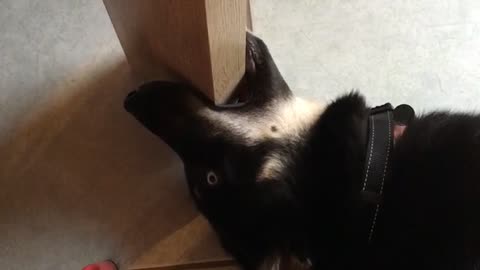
202	41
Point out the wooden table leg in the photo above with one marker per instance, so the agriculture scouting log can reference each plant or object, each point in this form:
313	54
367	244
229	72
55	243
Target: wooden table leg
202	41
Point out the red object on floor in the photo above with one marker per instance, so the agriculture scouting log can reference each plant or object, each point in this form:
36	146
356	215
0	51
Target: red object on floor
106	265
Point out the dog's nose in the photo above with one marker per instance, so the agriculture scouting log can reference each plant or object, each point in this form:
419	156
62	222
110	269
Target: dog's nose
128	100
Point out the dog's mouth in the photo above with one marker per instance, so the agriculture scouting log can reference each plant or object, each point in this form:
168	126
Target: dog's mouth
240	96
242	93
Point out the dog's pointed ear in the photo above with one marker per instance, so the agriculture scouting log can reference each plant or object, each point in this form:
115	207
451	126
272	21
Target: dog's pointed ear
265	82
345	114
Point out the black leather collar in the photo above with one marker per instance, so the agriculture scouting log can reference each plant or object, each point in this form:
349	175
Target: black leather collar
377	162
377	171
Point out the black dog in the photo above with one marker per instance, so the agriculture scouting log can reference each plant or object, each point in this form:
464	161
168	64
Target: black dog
280	179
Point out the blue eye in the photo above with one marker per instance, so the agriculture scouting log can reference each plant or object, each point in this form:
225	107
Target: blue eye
212	178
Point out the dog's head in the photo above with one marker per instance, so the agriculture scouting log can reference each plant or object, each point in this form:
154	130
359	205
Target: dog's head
239	160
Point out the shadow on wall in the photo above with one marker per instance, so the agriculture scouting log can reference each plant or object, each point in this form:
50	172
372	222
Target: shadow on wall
83	181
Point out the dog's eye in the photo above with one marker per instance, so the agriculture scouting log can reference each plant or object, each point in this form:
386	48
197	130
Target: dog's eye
212	178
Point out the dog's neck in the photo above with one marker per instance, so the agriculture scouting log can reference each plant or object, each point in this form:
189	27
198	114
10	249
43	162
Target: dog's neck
335	165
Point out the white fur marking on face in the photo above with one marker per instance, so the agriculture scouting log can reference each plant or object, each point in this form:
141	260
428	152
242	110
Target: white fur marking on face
285	119
290	119
273	166
285	262
272	263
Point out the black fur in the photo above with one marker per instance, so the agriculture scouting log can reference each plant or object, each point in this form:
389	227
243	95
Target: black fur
431	211
430	217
